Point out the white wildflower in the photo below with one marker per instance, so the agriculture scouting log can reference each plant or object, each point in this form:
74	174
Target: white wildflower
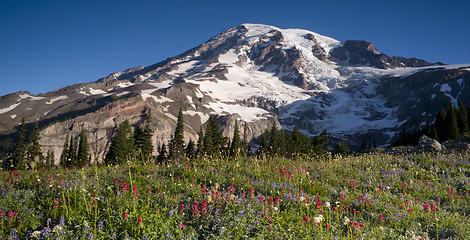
346	221
275	208
302	199
36	234
327	204
317	219
57	229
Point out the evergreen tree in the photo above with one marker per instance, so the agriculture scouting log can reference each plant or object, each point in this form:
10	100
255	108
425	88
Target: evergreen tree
213	140
83	155
440	124
341	147
190	149
143	142
72	152
462	119
65	151
451	123
34	151
236	141
320	142
163	154
121	146
177	142
19	150
200	141
49	159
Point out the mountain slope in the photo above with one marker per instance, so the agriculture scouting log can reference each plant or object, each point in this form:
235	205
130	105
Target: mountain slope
256	74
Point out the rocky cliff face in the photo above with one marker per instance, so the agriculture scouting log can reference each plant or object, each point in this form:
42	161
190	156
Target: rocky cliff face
253	74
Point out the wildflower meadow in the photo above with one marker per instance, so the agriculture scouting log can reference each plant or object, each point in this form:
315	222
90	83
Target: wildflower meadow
368	196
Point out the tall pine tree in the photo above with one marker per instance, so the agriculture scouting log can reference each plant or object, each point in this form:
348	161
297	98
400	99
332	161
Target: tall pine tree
451	124
177	142
200	141
83	155
35	156
121	146
19	150
462	119
236	141
65	151
442	134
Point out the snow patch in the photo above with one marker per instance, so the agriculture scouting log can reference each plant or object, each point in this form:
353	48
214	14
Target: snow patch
13	116
433	96
162	85
34	98
57	99
248	114
96	91
445	88
11	107
124	85
122	93
460	81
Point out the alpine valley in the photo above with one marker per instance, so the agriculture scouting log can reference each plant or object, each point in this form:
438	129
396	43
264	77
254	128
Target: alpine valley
253	74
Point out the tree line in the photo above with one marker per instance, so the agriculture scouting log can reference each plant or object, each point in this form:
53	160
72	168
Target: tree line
450	124
27	153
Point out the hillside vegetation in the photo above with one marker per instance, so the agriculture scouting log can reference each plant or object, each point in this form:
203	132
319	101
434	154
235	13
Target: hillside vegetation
356	197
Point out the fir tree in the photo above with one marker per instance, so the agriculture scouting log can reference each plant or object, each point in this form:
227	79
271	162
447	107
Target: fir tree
34	151
177	142
19	150
83	155
236	141
200	141
320	142
163	154
440	124
143	142
462	119
49	159
213	140
341	147
190	149
121	146
451	123
65	151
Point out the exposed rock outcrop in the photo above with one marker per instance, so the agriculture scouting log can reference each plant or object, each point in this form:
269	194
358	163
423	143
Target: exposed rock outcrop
427	144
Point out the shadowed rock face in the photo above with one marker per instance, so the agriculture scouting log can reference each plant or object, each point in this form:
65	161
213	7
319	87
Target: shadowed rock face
364	53
253	74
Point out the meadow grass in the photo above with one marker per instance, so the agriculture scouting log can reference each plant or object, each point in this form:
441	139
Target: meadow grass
370	196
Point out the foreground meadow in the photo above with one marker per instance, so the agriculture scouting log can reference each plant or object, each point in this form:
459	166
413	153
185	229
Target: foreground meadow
357	197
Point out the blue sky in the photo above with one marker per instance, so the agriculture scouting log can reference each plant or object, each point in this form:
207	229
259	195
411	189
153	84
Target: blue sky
46	45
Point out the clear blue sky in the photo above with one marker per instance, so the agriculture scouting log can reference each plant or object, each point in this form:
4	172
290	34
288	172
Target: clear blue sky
46	45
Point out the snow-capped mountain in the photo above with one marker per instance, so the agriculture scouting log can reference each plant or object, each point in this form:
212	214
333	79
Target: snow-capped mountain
256	74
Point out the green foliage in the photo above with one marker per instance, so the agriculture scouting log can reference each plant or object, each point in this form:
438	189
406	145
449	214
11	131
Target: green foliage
383	196
163	154
83	155
285	143
451	123
18	158
236	145
341	147
122	145
190	149
65	152
213	142
177	142
34	154
143	142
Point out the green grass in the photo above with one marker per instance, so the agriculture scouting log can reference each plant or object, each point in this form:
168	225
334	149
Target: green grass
369	196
